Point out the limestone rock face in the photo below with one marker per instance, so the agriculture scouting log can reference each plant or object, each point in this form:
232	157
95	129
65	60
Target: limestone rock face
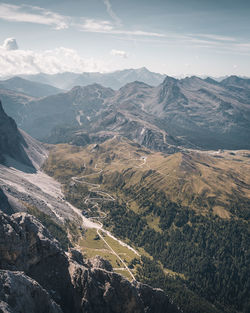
20	293
63	282
24	242
107	292
98	262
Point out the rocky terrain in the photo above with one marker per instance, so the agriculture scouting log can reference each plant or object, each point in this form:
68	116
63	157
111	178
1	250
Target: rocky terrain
191	113
37	276
4	203
21	180
71	109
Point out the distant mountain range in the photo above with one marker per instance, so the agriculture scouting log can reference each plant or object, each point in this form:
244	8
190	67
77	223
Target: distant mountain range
114	80
28	87
190	112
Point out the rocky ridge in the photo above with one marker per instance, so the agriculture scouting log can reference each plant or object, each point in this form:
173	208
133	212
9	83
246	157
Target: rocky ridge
37	276
190	113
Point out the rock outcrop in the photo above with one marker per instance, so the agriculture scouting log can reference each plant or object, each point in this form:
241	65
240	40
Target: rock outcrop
53	281
17	149
20	293
4	203
11	141
24	242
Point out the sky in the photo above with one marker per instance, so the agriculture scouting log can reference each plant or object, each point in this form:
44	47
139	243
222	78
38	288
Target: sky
173	37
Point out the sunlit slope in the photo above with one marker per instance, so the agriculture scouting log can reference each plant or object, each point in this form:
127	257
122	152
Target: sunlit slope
188	211
203	181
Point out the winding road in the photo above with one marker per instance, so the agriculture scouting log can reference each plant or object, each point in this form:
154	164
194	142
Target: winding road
95	221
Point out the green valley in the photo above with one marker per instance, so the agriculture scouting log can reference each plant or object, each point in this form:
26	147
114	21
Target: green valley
187	213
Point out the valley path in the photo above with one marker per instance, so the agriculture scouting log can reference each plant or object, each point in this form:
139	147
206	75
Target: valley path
97	224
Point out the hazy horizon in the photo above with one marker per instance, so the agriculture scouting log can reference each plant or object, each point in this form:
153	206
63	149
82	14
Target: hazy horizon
180	39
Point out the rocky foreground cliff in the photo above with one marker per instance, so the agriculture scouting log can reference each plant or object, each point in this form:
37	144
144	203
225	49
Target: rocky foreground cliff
37	276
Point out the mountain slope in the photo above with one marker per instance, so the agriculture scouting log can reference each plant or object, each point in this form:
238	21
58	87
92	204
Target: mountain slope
15	104
33	89
12	143
191	113
188	210
39	117
207	114
235	81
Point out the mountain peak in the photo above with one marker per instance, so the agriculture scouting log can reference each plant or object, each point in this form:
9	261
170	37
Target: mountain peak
211	81
232	78
142	69
132	88
91	86
191	78
237	81
15	78
169	80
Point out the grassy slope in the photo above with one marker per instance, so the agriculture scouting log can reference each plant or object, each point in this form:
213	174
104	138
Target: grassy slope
214	186
201	181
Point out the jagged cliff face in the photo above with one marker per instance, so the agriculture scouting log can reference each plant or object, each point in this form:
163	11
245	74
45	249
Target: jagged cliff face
52	281
20	293
4	203
11	141
17	149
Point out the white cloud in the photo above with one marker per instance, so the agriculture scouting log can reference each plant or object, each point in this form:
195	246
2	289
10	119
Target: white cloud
215	37
242	46
10	44
97	26
38	15
139	33
16	62
112	13
32	14
106	27
119	53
